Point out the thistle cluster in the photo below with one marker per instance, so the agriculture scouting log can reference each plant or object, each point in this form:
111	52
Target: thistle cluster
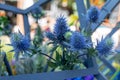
20	43
60	29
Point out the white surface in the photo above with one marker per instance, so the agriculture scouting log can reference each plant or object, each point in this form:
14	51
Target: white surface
26	4
103	31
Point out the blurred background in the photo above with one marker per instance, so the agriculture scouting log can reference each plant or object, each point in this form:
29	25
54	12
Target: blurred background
10	22
52	10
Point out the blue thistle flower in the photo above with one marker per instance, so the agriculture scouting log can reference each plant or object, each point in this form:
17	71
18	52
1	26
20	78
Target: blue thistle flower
20	43
60	28
50	36
104	46
93	14
78	41
37	12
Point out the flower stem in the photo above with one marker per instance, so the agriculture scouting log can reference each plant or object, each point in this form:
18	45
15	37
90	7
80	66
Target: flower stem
81	55
46	66
7	65
48	56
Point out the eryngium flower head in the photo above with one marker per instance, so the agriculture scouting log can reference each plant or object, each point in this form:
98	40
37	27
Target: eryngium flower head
19	42
104	46
37	12
78	41
50	36
60	28
93	14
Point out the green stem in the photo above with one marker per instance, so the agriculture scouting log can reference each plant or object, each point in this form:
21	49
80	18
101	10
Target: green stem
81	55
48	56
7	65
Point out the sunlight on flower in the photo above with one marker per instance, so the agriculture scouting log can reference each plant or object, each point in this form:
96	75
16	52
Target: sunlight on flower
78	41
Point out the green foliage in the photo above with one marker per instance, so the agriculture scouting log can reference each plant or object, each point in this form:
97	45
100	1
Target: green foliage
92	52
52	64
4	26
38	37
64	60
25	65
3	21
1	61
40	62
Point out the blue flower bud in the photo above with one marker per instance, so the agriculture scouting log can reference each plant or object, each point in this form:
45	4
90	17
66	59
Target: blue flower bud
92	14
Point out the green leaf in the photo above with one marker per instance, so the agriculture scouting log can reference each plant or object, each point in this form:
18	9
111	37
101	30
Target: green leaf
52	64
58	57
38	36
1	28
92	52
54	48
50	43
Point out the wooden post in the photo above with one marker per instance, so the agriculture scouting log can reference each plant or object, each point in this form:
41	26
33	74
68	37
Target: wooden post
107	64
26	25
106	9
20	22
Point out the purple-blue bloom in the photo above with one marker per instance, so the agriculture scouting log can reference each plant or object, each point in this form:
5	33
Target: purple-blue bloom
50	36
78	41
93	14
60	28
90	77
20	43
104	46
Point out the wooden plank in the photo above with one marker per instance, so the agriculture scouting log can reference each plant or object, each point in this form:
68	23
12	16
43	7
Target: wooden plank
88	4
115	29
11	9
100	76
107	64
106	9
26	25
81	13
106	71
37	4
108	58
53	75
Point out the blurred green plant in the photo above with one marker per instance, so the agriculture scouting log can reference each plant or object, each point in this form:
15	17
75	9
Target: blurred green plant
25	65
5	27
64	60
